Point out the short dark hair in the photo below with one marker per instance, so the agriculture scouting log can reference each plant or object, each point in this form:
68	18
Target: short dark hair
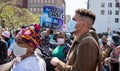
86	13
61	32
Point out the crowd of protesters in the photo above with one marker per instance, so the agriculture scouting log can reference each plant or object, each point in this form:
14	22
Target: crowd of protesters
32	48
110	53
51	44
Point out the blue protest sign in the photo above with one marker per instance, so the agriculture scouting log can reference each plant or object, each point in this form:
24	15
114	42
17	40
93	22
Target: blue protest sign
53	17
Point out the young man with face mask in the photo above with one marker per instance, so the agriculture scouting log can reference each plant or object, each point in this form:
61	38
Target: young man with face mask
27	40
62	49
84	53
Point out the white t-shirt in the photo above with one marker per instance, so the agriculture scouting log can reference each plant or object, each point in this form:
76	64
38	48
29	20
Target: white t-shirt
31	64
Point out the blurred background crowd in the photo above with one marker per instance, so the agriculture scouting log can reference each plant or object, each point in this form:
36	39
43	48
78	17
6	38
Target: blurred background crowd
56	43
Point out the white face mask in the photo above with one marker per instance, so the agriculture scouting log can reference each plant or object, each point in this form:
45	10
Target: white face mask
18	51
71	26
60	41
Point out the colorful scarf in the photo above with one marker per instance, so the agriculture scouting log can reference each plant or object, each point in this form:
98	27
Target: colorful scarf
31	35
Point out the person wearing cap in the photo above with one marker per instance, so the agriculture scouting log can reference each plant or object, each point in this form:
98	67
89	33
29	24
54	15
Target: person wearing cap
6	35
7	38
26	41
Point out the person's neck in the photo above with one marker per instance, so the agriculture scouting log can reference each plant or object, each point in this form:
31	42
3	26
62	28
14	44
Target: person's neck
80	33
61	44
27	55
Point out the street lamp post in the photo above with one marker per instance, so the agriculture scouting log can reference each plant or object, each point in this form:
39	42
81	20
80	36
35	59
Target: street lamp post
3	23
108	27
88	4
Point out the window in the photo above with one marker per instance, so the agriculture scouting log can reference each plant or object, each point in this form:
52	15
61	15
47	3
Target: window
102	12
49	1
34	9
38	1
109	12
110	5
31	9
31	1
38	9
116	20
53	1
41	1
45	1
102	4
35	1
117	4
116	12
41	9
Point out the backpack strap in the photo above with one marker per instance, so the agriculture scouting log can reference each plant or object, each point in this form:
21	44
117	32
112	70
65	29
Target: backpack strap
85	39
99	56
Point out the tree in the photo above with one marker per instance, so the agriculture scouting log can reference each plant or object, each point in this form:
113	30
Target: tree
15	16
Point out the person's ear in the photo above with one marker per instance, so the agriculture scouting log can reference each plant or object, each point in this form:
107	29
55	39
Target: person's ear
82	24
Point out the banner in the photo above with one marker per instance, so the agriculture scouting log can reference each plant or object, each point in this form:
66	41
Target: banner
53	17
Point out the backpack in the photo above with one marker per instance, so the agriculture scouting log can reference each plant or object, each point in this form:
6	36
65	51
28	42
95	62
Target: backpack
3	52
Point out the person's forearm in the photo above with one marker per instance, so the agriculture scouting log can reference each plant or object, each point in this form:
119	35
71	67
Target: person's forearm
115	60
6	66
63	67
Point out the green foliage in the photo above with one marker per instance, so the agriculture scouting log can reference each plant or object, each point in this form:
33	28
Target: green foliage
15	16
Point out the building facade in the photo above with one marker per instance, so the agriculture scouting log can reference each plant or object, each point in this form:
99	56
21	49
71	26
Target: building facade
36	6
107	14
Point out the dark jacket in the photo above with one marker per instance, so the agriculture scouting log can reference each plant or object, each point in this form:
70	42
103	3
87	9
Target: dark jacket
3	51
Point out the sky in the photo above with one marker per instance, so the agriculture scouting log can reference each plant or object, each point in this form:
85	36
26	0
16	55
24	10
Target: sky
72	5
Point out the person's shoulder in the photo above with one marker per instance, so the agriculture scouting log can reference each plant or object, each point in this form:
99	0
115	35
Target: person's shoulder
66	46
89	41
30	59
20	68
2	40
26	63
88	38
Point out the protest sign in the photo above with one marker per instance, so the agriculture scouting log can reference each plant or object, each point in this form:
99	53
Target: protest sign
53	17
